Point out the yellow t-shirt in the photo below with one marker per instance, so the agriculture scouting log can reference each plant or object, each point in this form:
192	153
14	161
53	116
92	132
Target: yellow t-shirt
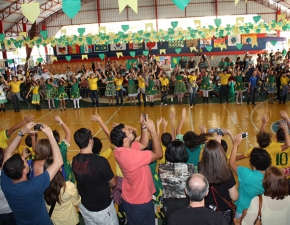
141	82
3	138
162	160
192	79
279	158
164	81
22	147
93	84
15	86
35	90
224	78
284	80
118	83
106	153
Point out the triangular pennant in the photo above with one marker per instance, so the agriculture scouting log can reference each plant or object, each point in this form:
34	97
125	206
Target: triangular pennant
132	3
102	56
174	24
68	57
31	11
217	22
84	57
208	48
71	7
2	36
239	46
43	33
132	54
256	18
181	4
162	51
125	27
193	49
81	31
178	50
40	60
53	58
145	53
119	54
273	42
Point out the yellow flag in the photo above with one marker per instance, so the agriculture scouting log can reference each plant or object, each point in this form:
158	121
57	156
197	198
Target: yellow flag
102	29
147	25
132	3
224	46
281	17
192	48
53	58
197	22
23	60
119	54
63	31
84	57
23	34
236	2
254	44
31	11
162	51
240	19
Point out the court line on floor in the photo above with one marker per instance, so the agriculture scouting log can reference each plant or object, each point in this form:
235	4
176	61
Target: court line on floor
252	112
108	120
191	120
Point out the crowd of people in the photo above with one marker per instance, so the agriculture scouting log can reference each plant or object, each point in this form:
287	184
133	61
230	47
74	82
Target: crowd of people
149	78
188	177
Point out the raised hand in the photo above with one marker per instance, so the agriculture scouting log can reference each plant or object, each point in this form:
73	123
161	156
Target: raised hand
57	119
28	119
237	139
96	118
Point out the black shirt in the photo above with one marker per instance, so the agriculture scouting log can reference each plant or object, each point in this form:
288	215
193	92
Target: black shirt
93	174
191	64
182	63
196	216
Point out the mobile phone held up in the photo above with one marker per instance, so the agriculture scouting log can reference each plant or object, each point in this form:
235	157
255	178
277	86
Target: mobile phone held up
37	127
144	116
245	134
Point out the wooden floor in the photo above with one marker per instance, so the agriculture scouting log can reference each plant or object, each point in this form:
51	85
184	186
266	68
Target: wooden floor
237	118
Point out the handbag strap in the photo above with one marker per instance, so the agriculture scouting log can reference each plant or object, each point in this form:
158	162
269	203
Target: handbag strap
259	216
212	189
51	208
230	204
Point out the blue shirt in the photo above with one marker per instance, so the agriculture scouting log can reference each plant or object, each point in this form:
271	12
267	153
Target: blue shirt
253	81
26	199
250	185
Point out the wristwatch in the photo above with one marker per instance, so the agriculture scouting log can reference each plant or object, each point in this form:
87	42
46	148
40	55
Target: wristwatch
20	133
144	127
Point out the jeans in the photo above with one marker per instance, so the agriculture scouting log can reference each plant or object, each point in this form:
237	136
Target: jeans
224	90
84	92
172	204
164	95
139	214
144	98
252	93
107	216
94	97
192	95
283	94
119	94
15	102
7	219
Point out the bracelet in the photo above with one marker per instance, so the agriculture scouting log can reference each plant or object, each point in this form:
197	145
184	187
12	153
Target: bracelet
60	123
143	128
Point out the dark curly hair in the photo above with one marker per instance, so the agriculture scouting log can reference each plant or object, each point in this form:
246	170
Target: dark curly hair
263	139
52	193
117	135
176	152
98	145
166	138
280	134
260	159
193	140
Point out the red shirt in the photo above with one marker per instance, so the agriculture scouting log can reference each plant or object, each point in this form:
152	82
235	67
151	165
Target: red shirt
138	186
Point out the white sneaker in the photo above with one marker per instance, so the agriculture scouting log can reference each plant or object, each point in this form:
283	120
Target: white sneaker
161	103
238	103
165	104
241	103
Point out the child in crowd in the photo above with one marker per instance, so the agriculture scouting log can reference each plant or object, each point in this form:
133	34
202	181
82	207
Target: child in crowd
50	92
35	95
75	93
151	90
62	95
132	91
3	99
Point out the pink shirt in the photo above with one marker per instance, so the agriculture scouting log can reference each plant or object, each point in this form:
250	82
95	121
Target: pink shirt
138	186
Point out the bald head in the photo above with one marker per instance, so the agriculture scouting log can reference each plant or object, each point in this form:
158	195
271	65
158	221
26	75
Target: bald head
196	187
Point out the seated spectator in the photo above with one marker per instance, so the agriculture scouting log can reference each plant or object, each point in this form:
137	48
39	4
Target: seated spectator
275	201
250	180
61	197
214	167
196	189
25	197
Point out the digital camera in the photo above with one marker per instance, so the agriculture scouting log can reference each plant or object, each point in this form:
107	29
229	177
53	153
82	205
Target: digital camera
37	127
218	131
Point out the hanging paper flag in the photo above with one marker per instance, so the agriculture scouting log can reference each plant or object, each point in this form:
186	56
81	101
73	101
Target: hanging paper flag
234	39
208	48
197	22
43	33
217	22
178	50
145	53
132	54
193	49
102	56
2	36
53	58
71	7
84	57
68	57
223	46
23	34
125	27
40	60
162	51
31	11
132	3
273	42
102	29
256	18
181	4
236	2
239	46
119	54
147	25
281	17
81	31
174	24
10	61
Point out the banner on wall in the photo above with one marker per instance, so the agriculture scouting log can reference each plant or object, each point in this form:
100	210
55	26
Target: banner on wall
74	49
101	48
118	47
135	46
86	48
191	43
217	42
151	45
205	42
176	44
61	50
31	64
234	39
249	39
161	59
129	63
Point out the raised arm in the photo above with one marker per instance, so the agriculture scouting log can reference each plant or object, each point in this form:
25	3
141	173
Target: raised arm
164	123
158	126
183	115
56	155
284	126
265	120
233	164
67	131
26	119
228	132
98	119
144	139
172	122
15	142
